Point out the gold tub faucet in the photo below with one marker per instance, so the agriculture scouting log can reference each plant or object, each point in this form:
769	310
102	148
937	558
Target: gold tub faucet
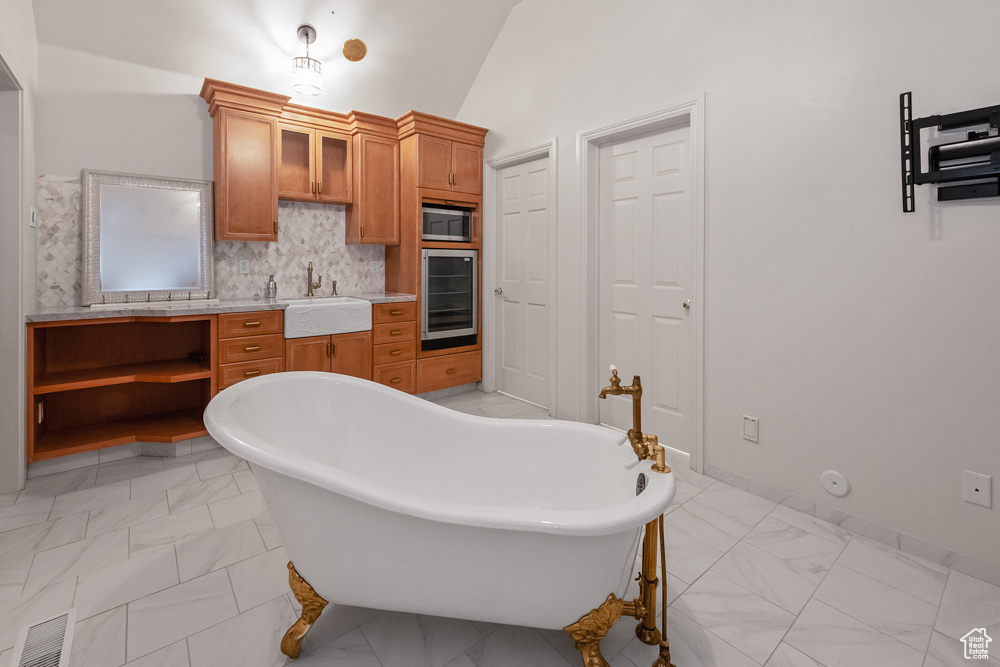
645	446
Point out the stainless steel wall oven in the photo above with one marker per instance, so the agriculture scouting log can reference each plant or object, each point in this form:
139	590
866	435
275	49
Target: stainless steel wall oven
449	298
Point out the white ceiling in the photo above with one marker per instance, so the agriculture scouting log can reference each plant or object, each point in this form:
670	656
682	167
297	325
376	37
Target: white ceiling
422	54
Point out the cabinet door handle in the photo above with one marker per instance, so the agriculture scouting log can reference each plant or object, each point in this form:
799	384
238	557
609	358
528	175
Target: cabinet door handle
251	325
395	332
362	231
396	380
395	353
251	348
319	187
395	312
250	374
451	371
331	349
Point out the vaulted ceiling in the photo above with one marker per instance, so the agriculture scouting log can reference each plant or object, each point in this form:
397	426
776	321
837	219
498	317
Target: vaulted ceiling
422	54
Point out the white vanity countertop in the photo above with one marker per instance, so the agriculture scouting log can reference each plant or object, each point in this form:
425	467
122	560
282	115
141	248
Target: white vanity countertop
61	313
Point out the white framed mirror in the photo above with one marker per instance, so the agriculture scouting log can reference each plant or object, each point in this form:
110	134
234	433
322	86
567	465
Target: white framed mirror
146	239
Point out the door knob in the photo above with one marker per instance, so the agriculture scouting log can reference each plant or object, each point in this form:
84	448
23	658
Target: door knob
687	305
498	290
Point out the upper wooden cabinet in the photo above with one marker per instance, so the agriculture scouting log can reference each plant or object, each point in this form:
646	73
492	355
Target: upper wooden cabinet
246	152
316	165
246	176
449	165
374	217
448	155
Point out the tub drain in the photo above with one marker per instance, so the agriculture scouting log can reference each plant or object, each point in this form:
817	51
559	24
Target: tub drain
640	483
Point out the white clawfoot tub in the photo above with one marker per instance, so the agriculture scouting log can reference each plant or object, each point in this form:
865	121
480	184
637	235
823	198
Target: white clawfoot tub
387	501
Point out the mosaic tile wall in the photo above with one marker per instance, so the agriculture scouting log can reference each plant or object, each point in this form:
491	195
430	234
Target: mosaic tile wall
306	233
60	248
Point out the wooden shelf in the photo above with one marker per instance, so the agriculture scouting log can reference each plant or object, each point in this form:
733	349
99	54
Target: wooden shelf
172	370
162	427
107	382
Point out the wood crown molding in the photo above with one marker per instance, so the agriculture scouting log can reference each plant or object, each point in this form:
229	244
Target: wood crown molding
232	96
417	122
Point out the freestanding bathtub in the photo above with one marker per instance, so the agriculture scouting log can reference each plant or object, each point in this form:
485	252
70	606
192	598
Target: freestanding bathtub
387	501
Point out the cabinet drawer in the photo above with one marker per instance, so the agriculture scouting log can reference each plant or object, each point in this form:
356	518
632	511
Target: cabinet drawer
250	324
394	332
230	374
398	376
394	312
249	348
449	370
391	353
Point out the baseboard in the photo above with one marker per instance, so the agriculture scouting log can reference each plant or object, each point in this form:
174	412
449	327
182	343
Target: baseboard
910	544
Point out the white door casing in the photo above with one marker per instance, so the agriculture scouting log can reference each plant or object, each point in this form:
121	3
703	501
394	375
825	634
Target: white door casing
523	278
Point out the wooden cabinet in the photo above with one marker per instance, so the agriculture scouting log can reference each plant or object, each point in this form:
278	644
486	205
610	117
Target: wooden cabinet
316	165
347	354
374	217
443	164
250	344
246	176
395	344
449	370
105	382
440	163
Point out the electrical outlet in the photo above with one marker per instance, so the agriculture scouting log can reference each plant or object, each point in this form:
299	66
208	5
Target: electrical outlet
750	428
375	267
977	488
244	266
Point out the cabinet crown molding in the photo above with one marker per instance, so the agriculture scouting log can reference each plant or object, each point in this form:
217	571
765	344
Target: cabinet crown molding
418	122
232	96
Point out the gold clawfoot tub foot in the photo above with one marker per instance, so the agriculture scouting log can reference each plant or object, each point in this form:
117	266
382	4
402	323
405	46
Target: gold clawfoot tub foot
588	632
312	607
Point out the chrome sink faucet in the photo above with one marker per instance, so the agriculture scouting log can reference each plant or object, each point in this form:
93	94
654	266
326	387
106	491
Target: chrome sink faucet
310	285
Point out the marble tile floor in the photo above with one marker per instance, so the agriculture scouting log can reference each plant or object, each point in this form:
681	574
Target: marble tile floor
175	562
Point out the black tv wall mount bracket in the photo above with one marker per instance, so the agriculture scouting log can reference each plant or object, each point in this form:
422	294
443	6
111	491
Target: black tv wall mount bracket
972	165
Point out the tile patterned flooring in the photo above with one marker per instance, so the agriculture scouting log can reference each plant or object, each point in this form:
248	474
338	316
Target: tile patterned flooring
175	562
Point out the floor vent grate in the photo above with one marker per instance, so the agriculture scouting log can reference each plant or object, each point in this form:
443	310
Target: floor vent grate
46	643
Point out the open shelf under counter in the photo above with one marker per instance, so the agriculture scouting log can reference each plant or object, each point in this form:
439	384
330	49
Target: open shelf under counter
173	370
101	382
161	427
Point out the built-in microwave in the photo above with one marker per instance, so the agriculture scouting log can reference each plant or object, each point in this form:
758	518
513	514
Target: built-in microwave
446	223
448	300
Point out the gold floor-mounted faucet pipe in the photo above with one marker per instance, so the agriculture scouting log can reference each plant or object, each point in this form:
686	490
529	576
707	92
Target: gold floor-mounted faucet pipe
643	608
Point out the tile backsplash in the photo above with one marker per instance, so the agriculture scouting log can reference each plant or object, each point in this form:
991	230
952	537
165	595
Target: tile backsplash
306	233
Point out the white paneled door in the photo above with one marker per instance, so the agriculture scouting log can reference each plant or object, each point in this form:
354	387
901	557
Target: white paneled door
523	281
647	279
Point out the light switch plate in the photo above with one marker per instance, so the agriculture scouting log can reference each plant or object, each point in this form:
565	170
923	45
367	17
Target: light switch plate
750	428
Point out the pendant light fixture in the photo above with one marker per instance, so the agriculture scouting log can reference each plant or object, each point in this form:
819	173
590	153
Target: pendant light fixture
307	73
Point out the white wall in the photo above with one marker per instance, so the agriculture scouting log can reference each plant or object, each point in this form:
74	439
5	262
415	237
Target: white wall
863	338
100	113
18	48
